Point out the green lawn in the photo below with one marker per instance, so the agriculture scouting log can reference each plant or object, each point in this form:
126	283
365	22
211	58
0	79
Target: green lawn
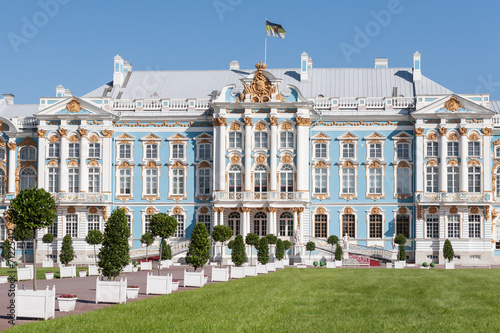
40	271
310	300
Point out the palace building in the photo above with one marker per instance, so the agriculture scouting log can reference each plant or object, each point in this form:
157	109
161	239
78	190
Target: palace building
302	153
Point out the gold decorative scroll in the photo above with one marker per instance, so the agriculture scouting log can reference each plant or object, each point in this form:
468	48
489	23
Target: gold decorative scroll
248	121
41	133
83	132
419	131
203	210
463	131
487	131
260	89
273	121
286	126
74	106
260	127
442	131
375	210
453	104
150	210
303	121
107	133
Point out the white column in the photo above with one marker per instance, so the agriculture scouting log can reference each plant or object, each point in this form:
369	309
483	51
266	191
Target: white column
465	223
295	223
302	153
442	223
63	166
221	123
106	161
463	161
419	225
487	160
274	228
221	215
245	221
248	154
442	160
42	142
215	150
84	171
12	166
269	221
419	163
274	150
216	213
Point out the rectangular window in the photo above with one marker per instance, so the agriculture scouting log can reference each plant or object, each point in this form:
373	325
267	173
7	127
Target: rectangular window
432	149
474	149
151	181
432	179
125	151
376	226
403	181
286	140
73	180
474	226
453	226
348	150
74	150
204	181
375	150
53	180
432	226
235	140
453	149
93	222
152	151
260	140
375	181
125	181
204	151
72	225
95	150
348	181
403	151
320	150
403	225
178	181
129	223
320	226
205	219
53	150
321	181
94	180
453	179
180	226
53	229
474	179
147	221
349	225
178	151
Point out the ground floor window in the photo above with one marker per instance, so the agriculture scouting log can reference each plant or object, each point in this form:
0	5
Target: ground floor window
453	226
403	225
320	225
349	225
205	219
286	224
474	226
260	224
180	226
72	225
375	226
233	222
432	226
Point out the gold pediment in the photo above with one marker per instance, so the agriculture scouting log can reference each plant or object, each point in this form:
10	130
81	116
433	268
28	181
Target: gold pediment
261	89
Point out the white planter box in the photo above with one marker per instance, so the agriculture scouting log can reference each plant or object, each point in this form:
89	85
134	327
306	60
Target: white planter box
388	265
146	266
4	279
220	274
279	264
159	284
164	264
262	269
29	266
67	271
330	264
236	272
49	276
175	285
127	269
82	273
301	266
135	269
399	264
47	263
132	292
449	265
93	270
309	262
250	271
35	304
176	264
111	291
271	267
194	279
3	264
422	267
338	263
67	304
213	263
24	274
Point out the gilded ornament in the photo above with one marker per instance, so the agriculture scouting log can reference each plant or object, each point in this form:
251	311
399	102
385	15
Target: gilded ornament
93	210
473	136
402	210
107	133
271	209
463	131
234	127
71	210
286	126
177	210
403	164
63	132
260	89
320	210
432	136
260	159
246	209
474	210
74	106
494	214
419	212
221	121
287	159
177	165
54	138
419	131
487	131
432	162
248	121
453	162
235	159
442	131
433	210
273	121
474	162
73	138
375	210
348	210
124	165
27	142
204	164
93	162
487	212
453	104
303	121
203	210
374	164
347	164
83	132
41	133
11	145
320	164
53	162
150	210
73	163
453	210
260	127
452	136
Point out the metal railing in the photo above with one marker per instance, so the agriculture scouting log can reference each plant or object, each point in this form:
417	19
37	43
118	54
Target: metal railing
261	196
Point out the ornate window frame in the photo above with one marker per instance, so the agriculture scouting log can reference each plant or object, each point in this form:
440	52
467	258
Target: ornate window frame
235	126
348	138
475	136
53	163
432	163
320	210
432	136
53	138
434	211
203	139
316	166
375	164
204	165
261	127
177	165
400	165
151	139
287	126
90	165
150	210
124	165
403	137
235	160
342	166
475	163
372	139
403	211
375	210
177	210
150	165
124	139
286	159
321	138
204	210
348	211
181	140
72	211
453	137
454	211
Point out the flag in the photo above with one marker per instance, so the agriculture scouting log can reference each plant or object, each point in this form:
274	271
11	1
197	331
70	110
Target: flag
275	30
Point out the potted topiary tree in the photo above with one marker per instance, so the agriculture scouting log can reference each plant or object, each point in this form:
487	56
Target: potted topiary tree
448	254
221	234
163	226
332	240
338	255
252	240
166	253
271	240
33	209
280	254
262	255
65	257
147	239
22	235
287	245
199	249
6	252
238	256
401	241
310	246
94	237
48	238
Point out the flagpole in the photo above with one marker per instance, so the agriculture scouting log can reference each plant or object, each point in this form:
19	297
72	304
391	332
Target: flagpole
265	45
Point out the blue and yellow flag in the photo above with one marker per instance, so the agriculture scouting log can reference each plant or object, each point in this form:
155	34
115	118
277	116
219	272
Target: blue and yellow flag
275	30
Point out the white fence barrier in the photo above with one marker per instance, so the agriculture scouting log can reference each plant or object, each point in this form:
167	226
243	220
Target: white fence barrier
236	272
24	273
146	266
67	271
93	270
251	271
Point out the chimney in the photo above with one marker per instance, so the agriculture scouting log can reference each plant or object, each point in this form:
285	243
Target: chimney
9	99
417	66
305	64
127	66
60	91
234	65
381	63
118	75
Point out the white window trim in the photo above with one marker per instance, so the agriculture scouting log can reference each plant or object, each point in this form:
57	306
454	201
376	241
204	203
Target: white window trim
368	147
367	176
198	213
348	195
395	179
293	130
204	138
27	147
210	175
171	182
183	213
409	213
117	181
313	181
480	141
144	184
313	227
78	226
461	224
100	150
403	137
100	173
47	150
266	130
314	143
356	220
425	224
47	167
426	148
240	130
367	216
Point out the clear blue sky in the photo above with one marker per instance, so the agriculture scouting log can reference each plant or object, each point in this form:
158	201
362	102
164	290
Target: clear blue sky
74	44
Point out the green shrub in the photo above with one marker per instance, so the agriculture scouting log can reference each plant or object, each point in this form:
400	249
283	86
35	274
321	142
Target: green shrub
448	252
280	249
67	253
332	240
22	234
425	264
238	255
263	251
310	246
402	253
221	233
322	263
338	252
315	264
271	239
163	226
94	237
147	239
7	254
230	244
166	251
432	264
252	239
400	239
287	245
199	249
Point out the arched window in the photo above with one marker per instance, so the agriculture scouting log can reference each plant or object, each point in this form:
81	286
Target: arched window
260	224
233	222
27	154
260	179
286	178
27	178
235	178
2	182
286	224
